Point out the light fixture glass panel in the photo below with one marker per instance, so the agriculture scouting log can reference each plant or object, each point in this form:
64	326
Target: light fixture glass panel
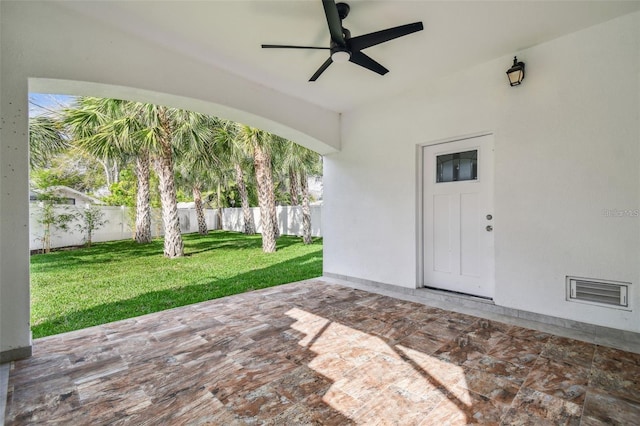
515	77
456	167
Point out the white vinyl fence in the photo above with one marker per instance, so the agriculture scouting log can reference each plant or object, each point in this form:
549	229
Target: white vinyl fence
121	221
289	220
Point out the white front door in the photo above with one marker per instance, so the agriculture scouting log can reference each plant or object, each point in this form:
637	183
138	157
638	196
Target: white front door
458	216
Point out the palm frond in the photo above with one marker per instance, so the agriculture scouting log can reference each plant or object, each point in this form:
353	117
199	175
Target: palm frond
46	138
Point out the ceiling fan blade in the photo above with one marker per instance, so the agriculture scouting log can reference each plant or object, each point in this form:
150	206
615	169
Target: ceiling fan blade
334	22
285	46
322	68
363	60
371	39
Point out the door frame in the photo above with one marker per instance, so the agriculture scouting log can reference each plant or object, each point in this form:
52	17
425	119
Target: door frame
420	197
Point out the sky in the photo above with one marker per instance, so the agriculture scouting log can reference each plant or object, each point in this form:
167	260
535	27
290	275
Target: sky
41	103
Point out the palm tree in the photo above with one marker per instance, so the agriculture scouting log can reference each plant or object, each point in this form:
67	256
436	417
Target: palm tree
301	162
247	213
190	178
294	184
223	181
87	122
278	149
258	143
306	209
233	152
192	138
143	197
197	164
46	138
106	128
156	133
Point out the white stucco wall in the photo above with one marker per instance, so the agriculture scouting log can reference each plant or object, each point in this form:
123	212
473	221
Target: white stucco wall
50	48
567	147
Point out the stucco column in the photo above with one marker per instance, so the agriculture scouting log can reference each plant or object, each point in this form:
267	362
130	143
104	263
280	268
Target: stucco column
15	334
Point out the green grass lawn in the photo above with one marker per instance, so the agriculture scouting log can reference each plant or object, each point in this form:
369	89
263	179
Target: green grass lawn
111	281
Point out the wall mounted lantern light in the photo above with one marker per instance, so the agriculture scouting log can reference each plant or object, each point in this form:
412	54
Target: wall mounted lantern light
516	72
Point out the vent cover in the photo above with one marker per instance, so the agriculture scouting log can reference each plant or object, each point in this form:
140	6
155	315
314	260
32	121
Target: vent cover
598	292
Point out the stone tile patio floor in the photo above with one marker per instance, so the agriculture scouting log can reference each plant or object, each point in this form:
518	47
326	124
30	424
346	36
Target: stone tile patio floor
319	353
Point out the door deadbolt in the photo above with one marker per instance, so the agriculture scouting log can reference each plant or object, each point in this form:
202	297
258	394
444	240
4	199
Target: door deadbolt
489	217
489	228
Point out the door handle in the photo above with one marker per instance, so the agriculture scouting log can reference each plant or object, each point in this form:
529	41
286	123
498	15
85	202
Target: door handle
489	228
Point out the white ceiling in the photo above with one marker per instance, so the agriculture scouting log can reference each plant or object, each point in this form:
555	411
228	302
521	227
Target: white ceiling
457	34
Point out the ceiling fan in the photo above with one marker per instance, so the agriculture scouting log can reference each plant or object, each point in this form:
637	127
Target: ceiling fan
343	47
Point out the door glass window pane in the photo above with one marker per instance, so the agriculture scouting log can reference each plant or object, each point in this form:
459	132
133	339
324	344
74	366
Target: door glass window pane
457	167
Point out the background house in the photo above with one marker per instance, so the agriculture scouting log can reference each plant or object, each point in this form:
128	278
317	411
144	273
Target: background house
65	195
563	148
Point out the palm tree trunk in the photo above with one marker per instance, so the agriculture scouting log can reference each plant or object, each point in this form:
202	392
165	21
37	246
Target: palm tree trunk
274	216
219	203
249	225
266	197
306	209
293	187
143	206
197	198
173	244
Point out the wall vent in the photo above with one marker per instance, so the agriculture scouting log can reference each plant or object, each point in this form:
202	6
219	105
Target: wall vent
598	292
